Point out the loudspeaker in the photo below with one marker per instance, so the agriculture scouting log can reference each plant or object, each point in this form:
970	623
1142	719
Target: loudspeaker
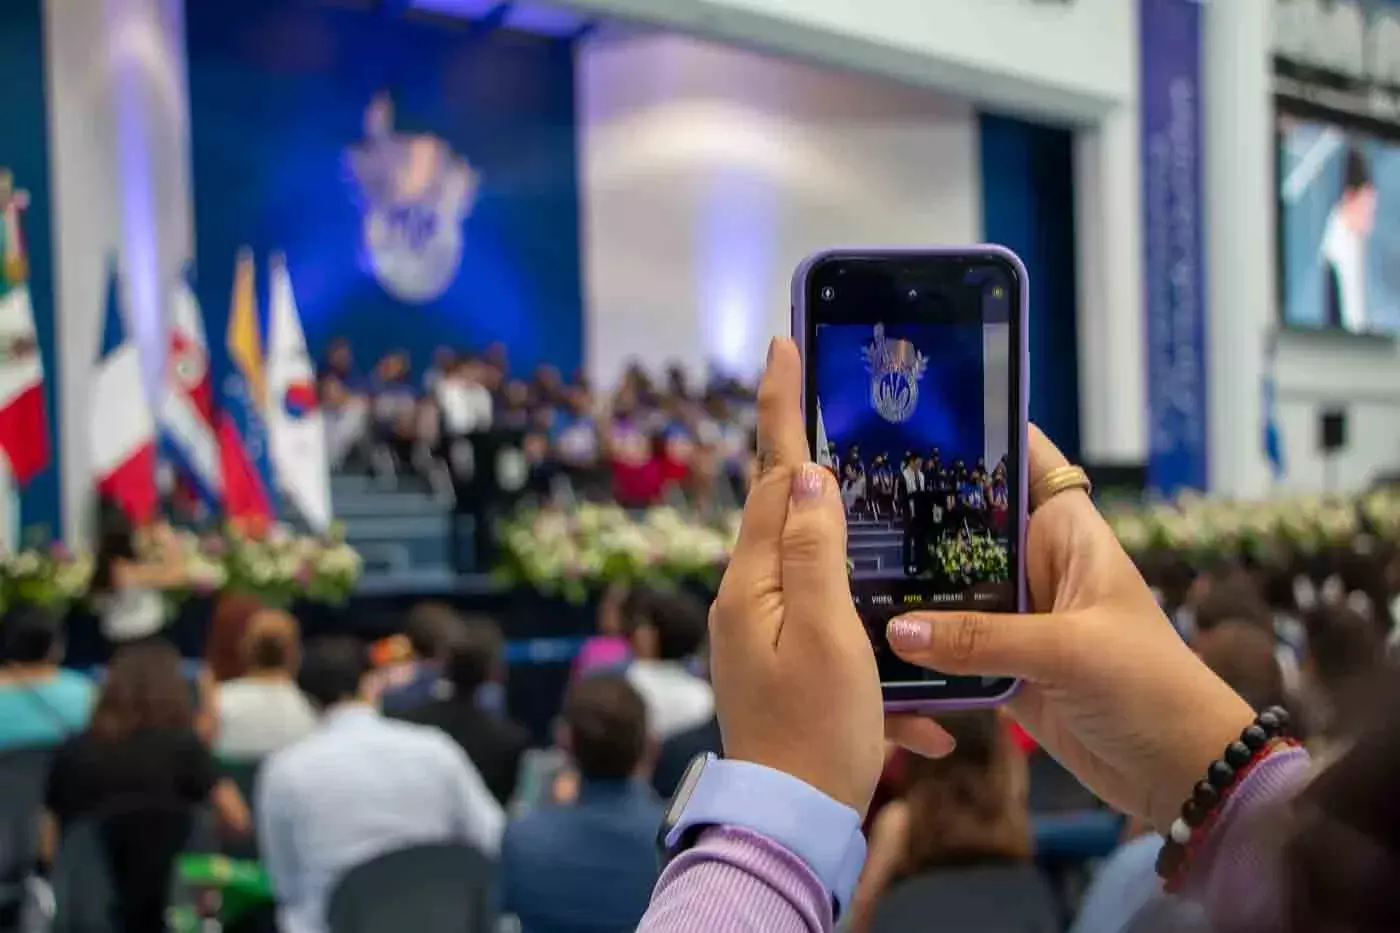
1332	430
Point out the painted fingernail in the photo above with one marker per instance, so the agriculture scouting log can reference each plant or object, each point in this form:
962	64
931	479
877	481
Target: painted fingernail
807	483
772	345
909	633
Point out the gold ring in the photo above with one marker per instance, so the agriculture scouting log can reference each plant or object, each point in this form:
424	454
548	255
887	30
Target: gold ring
1057	481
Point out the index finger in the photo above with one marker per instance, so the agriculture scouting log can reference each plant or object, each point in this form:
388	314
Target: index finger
782	432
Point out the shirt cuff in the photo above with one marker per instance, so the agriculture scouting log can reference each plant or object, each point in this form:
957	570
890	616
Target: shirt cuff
1236	876
735	880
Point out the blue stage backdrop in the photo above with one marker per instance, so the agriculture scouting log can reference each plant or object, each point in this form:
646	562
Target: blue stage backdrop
24	151
1028	206
948	414
419	175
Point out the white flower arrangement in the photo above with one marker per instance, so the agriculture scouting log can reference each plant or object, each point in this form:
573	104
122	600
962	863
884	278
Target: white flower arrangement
590	545
279	566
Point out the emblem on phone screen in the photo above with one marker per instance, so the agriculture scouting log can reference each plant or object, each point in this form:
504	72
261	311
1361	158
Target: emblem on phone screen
895	368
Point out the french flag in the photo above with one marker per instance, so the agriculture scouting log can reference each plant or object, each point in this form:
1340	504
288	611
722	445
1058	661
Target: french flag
188	421
122	431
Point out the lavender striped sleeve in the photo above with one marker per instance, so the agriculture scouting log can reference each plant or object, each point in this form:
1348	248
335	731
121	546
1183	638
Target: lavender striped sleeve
1237	876
735	881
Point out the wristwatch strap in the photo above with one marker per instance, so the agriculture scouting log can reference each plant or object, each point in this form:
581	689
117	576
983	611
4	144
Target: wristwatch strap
789	812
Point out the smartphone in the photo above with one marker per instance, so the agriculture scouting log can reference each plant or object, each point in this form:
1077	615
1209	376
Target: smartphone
914	391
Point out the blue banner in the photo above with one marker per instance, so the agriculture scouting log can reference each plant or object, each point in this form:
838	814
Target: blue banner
24	154
1173	271
419	173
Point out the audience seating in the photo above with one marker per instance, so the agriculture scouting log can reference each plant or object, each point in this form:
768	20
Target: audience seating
23	772
244	775
441	888
676	754
992	899
115	870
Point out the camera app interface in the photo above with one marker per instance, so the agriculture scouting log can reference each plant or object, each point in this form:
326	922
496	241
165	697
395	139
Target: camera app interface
915	416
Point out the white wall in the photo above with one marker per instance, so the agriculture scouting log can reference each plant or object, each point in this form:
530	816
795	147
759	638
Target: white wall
708	173
1069	60
121	187
1321	371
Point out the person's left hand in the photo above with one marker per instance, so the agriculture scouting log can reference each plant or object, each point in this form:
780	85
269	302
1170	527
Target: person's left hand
796	686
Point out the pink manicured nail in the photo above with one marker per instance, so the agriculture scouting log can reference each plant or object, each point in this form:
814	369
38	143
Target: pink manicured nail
909	633
807	483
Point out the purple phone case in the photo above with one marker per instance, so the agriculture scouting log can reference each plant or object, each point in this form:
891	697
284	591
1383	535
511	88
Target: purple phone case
799	333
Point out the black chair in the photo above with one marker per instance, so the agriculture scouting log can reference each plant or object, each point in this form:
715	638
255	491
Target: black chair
244	775
1053	789
992	899
438	888
23	772
114	871
677	752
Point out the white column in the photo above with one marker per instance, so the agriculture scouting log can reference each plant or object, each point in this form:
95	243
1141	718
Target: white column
119	160
1112	353
1240	238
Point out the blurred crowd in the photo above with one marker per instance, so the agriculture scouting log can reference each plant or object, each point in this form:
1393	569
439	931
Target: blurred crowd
319	758
647	442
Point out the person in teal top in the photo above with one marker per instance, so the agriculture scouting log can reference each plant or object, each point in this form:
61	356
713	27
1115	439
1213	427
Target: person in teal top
41	704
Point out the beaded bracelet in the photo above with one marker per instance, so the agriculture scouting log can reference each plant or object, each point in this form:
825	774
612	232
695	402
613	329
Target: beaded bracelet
1202	808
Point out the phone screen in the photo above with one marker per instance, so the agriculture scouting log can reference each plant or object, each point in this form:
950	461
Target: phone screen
913	402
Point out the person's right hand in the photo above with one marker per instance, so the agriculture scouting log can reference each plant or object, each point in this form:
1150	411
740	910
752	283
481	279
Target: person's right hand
1109	687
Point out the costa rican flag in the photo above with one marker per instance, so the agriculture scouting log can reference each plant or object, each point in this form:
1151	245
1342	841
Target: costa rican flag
295	428
187	417
122	430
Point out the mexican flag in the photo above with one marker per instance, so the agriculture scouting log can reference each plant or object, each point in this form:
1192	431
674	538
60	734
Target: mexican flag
24	434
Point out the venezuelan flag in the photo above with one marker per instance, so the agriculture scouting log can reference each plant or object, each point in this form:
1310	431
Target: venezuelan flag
243	450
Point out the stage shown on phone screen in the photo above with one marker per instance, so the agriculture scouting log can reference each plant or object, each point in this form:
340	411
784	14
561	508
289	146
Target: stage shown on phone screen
915	420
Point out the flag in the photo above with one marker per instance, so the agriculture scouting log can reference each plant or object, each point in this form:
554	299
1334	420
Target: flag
243	447
822	454
24	430
296	431
187	416
122	430
1273	437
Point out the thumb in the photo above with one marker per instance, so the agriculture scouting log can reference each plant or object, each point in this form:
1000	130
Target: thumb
980	644
814	546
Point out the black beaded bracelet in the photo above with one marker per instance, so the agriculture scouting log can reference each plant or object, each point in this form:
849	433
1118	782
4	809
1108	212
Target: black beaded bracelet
1222	776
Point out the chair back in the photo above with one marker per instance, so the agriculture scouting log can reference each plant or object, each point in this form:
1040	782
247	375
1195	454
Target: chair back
438	888
114	871
677	752
1053	789
244	775
23	772
991	899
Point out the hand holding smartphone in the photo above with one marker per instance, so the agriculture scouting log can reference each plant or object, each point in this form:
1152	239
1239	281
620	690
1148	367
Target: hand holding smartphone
914	393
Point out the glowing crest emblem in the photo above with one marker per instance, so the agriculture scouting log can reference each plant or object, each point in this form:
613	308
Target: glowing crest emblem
895	369
415	193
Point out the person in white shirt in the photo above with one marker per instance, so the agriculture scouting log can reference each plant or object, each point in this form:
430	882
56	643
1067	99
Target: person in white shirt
666	631
1344	246
129	580
358	787
463	400
265	710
